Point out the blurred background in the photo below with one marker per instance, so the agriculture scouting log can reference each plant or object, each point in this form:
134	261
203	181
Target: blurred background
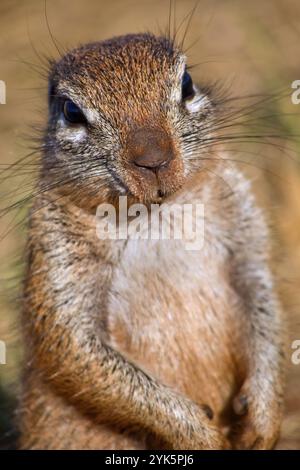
253	48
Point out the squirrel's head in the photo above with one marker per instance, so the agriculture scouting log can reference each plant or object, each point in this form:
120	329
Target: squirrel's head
125	118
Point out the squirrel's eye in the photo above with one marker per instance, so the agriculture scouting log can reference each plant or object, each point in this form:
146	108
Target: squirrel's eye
187	87
72	113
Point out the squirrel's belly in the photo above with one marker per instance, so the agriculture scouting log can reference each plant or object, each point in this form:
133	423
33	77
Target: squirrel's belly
180	323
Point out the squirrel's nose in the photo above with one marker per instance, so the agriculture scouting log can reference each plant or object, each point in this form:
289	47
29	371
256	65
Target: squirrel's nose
150	149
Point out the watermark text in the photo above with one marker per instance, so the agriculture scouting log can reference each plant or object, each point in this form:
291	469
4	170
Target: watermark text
158	222
296	93
2	353
296	354
2	92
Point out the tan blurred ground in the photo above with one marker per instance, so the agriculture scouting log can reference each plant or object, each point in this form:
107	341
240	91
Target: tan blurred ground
252	45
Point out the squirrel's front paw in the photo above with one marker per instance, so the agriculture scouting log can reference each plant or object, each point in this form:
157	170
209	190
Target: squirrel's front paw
259	417
202	433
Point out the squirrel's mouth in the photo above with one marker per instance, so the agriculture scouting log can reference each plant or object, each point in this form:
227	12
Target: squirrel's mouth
149	186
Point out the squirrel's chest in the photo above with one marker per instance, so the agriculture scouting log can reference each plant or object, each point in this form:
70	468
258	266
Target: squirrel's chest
172	311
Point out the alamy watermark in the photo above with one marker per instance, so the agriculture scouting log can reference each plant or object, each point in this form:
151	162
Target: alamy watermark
158	222
296	354
2	353
296	94
2	92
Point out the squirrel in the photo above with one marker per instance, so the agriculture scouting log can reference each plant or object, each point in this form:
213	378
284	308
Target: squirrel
143	344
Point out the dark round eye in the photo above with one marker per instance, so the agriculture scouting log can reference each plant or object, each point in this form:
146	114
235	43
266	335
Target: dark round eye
188	91
72	113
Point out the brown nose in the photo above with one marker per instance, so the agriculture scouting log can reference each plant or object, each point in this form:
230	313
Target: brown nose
150	148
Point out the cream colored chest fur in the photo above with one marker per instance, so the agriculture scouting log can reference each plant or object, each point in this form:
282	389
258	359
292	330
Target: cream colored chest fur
173	312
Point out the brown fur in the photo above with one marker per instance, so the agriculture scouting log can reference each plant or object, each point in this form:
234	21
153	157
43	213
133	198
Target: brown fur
131	343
